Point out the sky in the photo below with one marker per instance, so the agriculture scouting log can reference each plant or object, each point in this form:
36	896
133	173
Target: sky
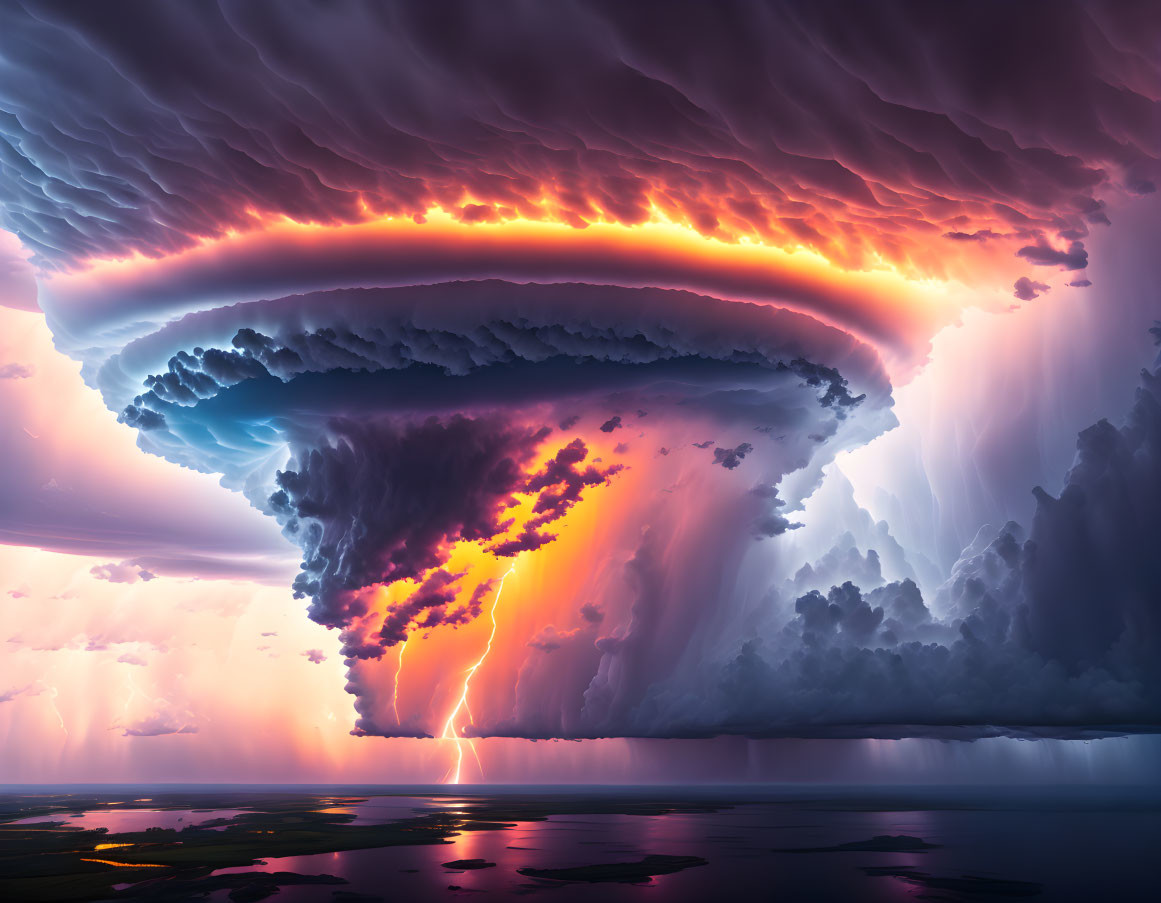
582	393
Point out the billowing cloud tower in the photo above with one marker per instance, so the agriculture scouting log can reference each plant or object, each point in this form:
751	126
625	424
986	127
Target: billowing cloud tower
536	331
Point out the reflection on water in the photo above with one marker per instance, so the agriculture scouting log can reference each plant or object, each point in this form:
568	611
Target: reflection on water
1073	855
123	820
379	810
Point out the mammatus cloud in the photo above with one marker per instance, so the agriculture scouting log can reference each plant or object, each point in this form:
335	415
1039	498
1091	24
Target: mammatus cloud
898	126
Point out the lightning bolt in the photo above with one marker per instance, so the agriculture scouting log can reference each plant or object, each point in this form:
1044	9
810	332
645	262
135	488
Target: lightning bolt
53	693
449	729
395	689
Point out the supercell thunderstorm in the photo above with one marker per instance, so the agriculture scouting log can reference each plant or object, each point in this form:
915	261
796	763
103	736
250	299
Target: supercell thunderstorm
355	293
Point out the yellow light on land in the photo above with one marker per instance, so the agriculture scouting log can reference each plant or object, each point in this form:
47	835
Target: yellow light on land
128	865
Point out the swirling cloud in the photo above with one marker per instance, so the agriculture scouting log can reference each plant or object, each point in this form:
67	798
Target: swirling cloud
512	285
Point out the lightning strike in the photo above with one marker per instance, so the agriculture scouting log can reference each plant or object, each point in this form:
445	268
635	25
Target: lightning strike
53	693
449	729
395	689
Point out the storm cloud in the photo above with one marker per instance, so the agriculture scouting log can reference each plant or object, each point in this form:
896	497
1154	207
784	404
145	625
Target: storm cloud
1050	632
392	299
424	113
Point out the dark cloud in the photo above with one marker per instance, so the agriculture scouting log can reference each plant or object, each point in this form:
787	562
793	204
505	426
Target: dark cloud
771	523
559	485
980	235
144	128
1080	283
395	456
383	502
1028	290
431	605
613	423
1075	258
174	122
491	330
386	500
142	418
550	639
1050	632
706	444
1022	614
592	613
843	562
1090	575
730	458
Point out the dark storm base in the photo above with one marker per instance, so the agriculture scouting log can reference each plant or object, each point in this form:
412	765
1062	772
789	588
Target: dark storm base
366	843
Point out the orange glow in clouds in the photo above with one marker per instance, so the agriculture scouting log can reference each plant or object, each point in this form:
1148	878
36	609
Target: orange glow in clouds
896	304
431	682
449	729
896	310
